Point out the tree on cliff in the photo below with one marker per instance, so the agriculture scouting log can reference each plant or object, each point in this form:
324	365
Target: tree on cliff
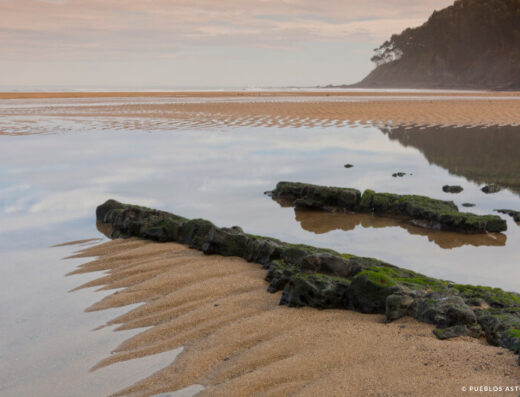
469	43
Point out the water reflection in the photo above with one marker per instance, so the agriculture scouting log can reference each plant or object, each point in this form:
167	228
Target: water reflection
51	184
481	155
320	222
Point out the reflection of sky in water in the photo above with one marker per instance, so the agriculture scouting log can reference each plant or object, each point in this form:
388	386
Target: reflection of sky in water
51	184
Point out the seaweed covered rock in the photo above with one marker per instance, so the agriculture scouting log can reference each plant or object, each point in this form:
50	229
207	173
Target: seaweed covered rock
316	290
490	189
514	214
423	211
323	278
443	310
370	289
502	329
452	189
315	196
450	332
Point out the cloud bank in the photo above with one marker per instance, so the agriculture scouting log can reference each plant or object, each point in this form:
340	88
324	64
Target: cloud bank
130	30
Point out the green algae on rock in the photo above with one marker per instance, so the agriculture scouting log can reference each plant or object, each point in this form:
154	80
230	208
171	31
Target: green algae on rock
323	278
424	211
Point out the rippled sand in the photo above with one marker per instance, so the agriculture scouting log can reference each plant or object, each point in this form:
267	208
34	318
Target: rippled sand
239	342
31	113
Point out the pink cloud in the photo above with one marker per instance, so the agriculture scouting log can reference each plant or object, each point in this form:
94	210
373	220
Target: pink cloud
60	29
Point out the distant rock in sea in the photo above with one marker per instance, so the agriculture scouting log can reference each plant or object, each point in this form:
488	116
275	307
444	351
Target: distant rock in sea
452	189
489	189
514	214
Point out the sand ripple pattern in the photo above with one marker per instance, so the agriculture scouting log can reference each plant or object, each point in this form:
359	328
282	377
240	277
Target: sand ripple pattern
239	342
215	113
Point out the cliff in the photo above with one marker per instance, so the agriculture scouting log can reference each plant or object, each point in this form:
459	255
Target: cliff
473	44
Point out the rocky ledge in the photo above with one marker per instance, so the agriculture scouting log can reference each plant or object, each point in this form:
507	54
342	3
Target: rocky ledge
423	211
513	214
323	278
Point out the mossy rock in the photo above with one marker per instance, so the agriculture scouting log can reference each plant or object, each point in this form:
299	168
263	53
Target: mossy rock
367	199
431	213
316	290
502	329
324	278
450	332
443	310
369	290
494	297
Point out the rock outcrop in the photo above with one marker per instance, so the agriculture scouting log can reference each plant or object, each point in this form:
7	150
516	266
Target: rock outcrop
472	44
513	214
452	189
424	211
323	278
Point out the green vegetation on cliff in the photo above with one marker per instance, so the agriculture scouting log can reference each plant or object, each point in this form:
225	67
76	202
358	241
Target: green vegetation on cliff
471	44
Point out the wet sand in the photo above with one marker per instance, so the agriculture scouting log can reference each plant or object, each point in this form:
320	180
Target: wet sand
229	94
204	110
238	341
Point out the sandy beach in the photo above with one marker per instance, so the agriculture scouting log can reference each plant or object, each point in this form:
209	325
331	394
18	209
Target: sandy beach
233	94
238	341
202	110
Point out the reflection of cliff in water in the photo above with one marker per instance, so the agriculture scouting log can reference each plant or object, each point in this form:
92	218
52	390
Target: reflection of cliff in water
320	222
481	155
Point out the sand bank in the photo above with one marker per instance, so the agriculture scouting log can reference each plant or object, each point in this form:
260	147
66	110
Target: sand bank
170	111
230	94
239	342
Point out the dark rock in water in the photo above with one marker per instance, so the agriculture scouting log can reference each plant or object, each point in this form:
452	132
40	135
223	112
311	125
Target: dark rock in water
489	189
514	214
452	189
430	213
323	278
398	174
348	166
450	332
468	204
307	195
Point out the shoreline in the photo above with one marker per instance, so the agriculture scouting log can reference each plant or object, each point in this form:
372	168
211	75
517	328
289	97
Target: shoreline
325	279
239	341
274	93
203	110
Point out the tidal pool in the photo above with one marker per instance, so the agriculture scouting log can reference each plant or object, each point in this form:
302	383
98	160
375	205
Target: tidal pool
51	183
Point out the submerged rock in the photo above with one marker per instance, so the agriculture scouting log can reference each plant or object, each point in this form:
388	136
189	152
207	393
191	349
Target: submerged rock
323	278
514	214
425	211
452	188
489	189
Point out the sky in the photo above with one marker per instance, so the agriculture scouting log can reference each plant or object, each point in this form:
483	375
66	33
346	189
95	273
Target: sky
163	44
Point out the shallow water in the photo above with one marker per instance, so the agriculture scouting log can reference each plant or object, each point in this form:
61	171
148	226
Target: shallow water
51	183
